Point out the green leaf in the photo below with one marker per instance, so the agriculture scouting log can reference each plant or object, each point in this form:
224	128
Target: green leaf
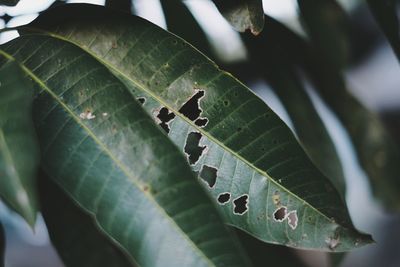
385	13
326	23
73	231
2	245
101	147
18	148
9	2
245	153
243	14
185	25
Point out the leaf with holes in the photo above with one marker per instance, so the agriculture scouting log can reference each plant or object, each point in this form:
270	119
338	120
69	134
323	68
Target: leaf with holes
385	13
73	231
256	157
243	14
18	148
102	148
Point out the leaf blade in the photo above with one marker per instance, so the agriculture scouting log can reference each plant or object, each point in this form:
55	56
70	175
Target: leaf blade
147	69
83	152
19	151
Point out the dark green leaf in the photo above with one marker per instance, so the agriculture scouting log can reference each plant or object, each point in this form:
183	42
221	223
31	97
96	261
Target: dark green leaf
9	2
385	13
122	5
243	14
2	245
326	23
74	233
18	148
253	163
101	147
185	25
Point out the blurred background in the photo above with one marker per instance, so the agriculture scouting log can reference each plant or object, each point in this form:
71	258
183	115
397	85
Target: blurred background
373	76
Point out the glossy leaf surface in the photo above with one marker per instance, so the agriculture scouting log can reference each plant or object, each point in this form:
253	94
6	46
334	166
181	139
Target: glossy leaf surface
248	159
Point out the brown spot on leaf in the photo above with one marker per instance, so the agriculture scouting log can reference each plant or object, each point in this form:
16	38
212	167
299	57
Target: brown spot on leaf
280	214
292	219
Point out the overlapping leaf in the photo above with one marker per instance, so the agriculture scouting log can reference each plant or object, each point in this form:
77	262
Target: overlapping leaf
249	160
74	233
18	148
105	151
243	14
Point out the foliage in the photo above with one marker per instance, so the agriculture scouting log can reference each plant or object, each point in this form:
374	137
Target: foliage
150	153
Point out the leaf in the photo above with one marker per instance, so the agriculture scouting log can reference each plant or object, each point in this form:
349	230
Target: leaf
245	152
326	23
100	146
122	5
385	13
278	69
18	148
2	245
378	153
185	25
73	231
9	2
243	14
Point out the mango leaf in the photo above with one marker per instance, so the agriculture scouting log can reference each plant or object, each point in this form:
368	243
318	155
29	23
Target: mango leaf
326	23
101	147
243	14
378	153
9	2
247	158
72	231
185	25
385	13
2	245
18	148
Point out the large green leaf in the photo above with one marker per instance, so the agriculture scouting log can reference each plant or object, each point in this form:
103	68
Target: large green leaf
385	13
18	148
101	147
243	14
2	245
249	160
74	233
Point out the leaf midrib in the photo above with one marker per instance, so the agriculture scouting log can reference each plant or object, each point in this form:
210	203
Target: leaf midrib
140	86
134	179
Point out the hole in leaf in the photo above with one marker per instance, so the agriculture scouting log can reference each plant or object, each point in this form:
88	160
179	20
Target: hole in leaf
191	109
280	214
241	205
192	148
165	118
226	103
209	175
224	198
292	219
141	100
201	122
